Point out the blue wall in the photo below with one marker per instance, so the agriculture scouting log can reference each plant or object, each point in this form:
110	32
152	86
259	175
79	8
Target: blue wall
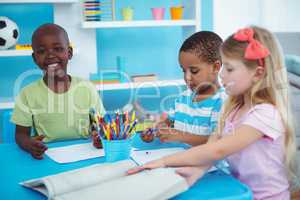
28	17
146	50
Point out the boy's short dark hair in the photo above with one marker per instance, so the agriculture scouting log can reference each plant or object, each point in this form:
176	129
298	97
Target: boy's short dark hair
204	44
50	28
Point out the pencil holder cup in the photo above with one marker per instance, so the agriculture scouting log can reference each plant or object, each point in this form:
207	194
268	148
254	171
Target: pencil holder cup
116	150
176	12
158	13
127	13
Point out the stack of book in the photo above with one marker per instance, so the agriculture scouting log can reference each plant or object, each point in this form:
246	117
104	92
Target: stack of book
92	11
105	78
99	10
144	78
23	47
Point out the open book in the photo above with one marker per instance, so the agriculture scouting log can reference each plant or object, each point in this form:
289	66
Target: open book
109	181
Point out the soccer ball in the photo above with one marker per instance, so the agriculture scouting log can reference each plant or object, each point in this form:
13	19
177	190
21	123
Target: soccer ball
9	33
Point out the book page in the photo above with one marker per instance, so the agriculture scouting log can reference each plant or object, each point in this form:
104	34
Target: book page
80	178
144	156
162	183
73	153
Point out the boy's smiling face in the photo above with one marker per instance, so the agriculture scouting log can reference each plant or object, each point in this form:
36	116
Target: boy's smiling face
51	52
198	75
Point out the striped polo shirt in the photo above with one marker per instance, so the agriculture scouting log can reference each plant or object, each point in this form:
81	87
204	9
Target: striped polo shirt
198	118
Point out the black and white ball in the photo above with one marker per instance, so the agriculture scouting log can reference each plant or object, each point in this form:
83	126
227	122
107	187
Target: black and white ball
9	33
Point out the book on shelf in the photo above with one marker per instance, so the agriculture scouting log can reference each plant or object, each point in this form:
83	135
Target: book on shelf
99	10
105	81
110	181
23	47
105	78
144	78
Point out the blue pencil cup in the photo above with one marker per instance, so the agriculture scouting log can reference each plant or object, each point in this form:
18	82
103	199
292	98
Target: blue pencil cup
116	150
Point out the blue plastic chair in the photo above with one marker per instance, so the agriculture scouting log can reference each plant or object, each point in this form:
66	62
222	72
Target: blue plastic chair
8	128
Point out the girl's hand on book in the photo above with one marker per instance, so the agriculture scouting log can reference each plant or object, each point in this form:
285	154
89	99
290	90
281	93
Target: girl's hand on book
150	165
191	174
36	147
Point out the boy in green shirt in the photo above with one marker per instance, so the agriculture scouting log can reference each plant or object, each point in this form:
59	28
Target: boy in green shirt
56	106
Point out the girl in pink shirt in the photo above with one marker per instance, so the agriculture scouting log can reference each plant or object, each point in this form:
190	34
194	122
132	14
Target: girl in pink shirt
255	132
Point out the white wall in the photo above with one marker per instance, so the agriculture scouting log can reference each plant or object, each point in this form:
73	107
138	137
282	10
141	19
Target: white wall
281	15
275	15
229	15
84	60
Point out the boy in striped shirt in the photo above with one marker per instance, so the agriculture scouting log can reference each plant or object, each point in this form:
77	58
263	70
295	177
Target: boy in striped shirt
196	111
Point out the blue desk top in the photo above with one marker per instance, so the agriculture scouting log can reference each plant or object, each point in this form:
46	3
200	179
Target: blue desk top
17	165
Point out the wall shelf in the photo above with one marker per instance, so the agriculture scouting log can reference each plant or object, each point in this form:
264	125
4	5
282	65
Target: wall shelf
138	85
13	52
39	1
8	53
120	86
138	23
7	105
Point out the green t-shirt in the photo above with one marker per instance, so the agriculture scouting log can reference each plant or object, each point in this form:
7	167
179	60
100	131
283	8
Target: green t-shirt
57	116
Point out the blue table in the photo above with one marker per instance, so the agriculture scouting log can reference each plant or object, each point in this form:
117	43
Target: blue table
17	165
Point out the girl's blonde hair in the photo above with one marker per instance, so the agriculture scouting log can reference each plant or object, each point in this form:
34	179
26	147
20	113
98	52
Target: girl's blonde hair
273	88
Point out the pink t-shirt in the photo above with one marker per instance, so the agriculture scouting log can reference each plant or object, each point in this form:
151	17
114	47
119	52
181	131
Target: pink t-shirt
261	164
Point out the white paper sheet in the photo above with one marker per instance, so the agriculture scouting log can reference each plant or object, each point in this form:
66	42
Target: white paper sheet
73	153
142	157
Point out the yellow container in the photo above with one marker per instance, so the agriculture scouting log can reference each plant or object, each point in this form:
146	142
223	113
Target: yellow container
176	13
127	13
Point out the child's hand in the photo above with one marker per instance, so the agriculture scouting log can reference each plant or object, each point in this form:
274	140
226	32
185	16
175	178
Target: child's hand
148	135
96	140
169	135
163	122
150	165
191	174
36	147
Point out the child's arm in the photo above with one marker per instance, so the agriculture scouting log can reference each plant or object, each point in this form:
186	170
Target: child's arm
208	153
34	146
192	174
172	135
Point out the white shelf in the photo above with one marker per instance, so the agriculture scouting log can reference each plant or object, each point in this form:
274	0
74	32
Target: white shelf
138	85
13	52
38	1
7	53
120	86
6	105
138	23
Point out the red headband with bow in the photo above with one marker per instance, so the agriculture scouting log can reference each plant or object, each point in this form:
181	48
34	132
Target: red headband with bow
255	50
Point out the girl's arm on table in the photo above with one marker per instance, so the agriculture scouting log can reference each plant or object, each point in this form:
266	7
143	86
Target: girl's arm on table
217	150
206	154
